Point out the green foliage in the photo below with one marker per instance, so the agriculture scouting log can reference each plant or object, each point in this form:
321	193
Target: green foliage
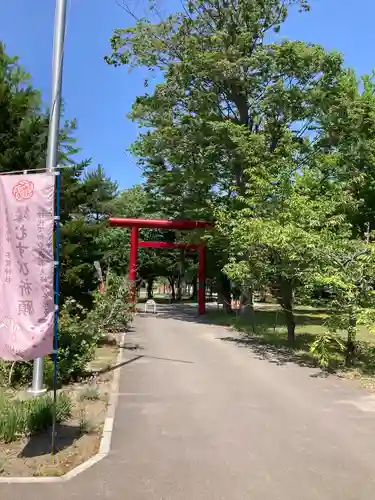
222	85
79	251
77	341
24	121
324	346
133	202
314	346
139	202
14	373
24	418
271	140
80	331
86	197
115	243
112	309
98	191
23	124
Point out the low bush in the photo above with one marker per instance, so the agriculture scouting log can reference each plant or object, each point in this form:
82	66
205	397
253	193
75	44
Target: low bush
80	331
78	339
24	418
112	309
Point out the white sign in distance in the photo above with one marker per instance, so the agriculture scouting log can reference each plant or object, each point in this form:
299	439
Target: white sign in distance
150	303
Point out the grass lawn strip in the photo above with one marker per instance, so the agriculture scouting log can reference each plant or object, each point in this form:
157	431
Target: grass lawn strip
266	336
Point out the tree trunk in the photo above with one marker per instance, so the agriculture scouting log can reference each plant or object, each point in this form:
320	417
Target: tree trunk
179	289
224	293
173	292
351	340
194	294
286	302
262	295
247	306
150	291
247	301
180	275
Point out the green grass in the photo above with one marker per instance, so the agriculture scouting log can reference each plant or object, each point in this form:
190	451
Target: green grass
266	335
23	418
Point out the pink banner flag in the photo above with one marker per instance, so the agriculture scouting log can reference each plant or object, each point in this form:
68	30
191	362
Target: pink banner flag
26	265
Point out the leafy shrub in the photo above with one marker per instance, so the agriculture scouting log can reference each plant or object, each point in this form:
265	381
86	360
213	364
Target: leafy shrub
112	309
80	331
23	418
324	348
77	341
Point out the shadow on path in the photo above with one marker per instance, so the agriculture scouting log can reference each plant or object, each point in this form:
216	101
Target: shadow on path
141	356
268	341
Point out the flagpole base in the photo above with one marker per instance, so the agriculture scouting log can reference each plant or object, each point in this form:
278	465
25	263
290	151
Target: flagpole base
38	374
36	392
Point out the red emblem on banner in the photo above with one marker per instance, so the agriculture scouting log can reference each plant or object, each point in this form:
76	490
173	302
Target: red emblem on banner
23	190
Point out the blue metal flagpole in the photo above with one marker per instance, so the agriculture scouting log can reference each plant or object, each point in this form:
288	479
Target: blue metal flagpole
56	301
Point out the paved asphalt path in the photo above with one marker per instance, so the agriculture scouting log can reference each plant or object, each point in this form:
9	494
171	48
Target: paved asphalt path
203	418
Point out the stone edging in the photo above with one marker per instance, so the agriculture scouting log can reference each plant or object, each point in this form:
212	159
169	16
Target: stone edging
105	443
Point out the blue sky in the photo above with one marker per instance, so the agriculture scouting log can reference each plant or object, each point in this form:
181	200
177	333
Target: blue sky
99	96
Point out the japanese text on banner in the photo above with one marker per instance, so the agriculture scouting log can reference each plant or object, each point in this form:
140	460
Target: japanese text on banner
26	265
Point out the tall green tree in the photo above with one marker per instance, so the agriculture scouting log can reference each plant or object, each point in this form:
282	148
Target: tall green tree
232	101
98	192
86	201
23	124
347	138
285	235
24	121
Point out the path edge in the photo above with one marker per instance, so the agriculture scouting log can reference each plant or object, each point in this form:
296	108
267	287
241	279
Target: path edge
105	441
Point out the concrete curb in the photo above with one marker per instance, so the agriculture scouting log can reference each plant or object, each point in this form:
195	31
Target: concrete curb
105	442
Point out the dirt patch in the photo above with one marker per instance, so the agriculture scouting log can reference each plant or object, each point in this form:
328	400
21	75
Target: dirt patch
77	439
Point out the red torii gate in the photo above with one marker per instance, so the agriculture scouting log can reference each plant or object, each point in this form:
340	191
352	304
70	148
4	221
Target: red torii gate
136	224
